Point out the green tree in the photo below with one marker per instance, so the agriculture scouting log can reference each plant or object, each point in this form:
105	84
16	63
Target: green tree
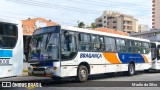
93	25
81	25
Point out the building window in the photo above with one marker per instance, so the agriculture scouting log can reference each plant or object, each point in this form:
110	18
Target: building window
114	27
110	17
100	25
114	22
104	16
104	21
100	20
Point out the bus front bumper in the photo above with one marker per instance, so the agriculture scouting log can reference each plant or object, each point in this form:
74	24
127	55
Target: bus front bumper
43	71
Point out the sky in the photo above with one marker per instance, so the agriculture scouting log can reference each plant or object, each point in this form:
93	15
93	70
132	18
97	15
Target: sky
69	12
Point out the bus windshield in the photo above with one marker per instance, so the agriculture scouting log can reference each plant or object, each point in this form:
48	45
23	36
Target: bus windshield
45	47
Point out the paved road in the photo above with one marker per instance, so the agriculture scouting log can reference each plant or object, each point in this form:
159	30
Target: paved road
96	80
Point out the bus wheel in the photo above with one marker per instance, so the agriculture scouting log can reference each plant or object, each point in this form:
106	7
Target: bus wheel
82	73
146	71
56	79
30	74
131	70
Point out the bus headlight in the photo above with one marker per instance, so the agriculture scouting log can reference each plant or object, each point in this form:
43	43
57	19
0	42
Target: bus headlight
54	68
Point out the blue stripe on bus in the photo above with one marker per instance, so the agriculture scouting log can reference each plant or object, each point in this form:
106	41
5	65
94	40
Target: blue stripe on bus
126	58
5	53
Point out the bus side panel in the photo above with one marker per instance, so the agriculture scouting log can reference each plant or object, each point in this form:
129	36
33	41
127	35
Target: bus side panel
68	68
17	59
5	71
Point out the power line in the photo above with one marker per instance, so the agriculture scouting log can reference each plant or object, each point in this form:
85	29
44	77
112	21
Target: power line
30	16
115	4
124	3
68	8
59	20
54	6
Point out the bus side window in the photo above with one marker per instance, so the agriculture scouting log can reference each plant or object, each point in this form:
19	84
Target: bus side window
110	44
95	43
102	46
145	48
84	42
121	46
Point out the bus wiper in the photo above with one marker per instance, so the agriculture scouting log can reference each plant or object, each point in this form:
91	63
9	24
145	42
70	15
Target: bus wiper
47	40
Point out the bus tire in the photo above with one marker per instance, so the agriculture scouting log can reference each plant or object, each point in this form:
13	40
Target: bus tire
131	69
30	74
146	71
82	73
56	79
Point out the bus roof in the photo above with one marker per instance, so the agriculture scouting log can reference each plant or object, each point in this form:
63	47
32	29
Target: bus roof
12	21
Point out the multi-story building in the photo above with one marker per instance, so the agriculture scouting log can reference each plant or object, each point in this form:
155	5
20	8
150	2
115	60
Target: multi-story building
156	14
143	28
117	21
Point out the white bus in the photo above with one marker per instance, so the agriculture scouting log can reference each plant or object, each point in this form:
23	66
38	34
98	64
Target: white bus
64	51
155	51
11	48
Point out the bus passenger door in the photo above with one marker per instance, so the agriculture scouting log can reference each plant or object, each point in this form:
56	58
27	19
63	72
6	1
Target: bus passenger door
68	53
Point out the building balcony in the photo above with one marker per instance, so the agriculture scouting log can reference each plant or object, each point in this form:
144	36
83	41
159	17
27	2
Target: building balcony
153	12
153	1
128	30
127	25
153	5
153	16
153	8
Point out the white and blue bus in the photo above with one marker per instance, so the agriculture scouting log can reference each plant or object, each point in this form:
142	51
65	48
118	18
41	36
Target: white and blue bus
11	48
64	51
155	51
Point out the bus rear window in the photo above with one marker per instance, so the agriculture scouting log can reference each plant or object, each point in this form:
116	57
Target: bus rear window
8	35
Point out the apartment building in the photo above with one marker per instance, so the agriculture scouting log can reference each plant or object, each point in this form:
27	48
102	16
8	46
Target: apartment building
156	14
143	28
117	21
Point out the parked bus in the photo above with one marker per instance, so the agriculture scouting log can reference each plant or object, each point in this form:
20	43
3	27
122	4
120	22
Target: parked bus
11	48
155	51
64	51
